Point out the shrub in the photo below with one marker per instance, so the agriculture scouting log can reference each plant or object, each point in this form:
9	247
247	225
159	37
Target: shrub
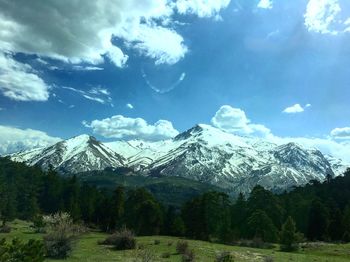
166	255
181	247
5	229
121	240
224	256
268	259
58	245
157	242
170	243
39	225
255	243
33	250
61	235
188	256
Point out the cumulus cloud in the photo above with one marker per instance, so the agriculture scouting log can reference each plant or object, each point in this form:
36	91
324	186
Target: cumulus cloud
265	4
162	44
294	109
121	127
324	16
97	94
201	8
19	81
13	139
234	120
83	31
341	133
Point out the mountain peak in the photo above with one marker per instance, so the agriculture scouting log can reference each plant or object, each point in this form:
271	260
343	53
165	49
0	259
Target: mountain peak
198	129
84	138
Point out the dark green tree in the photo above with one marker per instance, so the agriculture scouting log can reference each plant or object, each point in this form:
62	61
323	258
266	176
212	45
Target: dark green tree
261	226
289	237
318	221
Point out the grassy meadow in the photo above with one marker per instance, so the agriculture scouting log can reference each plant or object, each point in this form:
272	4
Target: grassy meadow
87	249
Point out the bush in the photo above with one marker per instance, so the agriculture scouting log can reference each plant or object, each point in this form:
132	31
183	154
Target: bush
157	242
166	255
188	256
61	235
33	250
121	240
255	243
268	259
39	225
224	256
58	245
5	229
181	247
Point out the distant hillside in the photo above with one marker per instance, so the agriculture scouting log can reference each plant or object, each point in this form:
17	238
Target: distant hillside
168	190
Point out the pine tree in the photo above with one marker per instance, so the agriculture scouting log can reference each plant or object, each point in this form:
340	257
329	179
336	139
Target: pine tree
346	223
289	236
261	226
318	221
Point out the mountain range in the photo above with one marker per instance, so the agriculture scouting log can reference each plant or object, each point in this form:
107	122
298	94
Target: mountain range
202	153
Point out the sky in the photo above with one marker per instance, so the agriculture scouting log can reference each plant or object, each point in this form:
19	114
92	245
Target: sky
132	69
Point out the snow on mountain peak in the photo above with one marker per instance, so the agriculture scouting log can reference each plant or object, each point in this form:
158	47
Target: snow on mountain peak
202	153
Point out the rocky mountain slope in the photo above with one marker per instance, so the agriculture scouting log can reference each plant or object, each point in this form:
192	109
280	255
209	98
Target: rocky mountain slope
78	154
233	162
202	153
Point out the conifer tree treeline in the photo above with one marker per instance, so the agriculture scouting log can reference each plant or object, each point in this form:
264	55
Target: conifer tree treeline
320	211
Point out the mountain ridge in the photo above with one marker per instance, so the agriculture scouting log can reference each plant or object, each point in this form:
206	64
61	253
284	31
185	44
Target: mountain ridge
202	153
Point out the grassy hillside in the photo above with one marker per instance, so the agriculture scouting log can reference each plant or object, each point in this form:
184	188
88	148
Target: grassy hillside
87	249
168	190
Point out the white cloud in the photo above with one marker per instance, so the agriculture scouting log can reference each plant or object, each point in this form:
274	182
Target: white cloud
19	81
322	16
265	4
201	8
297	108
234	120
87	68
341	133
294	109
13	139
132	128
83	31
97	94
162	44
130	106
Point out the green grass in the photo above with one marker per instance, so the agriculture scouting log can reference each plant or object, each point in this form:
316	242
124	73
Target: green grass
87	249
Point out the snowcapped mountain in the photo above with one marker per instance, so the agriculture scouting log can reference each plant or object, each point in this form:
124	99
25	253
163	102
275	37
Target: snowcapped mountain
202	153
78	154
237	163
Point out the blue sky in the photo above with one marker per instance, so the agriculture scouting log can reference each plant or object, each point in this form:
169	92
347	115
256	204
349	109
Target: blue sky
113	69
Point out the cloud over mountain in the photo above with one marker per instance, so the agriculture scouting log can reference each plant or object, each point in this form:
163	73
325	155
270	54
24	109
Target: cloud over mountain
121	127
341	133
14	139
234	120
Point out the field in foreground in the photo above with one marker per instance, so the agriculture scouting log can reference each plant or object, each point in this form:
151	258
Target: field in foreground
87	249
